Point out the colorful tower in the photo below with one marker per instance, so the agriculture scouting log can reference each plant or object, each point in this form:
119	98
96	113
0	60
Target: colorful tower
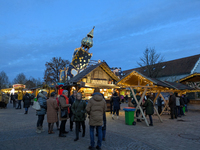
81	57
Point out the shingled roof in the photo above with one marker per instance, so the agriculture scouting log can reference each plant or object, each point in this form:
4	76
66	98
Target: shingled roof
173	67
89	69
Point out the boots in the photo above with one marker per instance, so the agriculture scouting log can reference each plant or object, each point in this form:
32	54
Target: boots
26	112
51	128
38	130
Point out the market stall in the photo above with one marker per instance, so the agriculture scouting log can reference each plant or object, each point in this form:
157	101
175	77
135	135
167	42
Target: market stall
96	76
143	84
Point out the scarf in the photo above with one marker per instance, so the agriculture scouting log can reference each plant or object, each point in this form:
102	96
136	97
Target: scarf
67	102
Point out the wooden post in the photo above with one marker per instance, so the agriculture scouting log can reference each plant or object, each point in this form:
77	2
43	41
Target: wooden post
166	104
154	101
138	104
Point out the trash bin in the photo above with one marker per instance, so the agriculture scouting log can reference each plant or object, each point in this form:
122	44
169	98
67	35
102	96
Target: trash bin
129	115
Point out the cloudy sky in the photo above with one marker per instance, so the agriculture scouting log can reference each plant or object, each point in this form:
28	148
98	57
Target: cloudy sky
34	31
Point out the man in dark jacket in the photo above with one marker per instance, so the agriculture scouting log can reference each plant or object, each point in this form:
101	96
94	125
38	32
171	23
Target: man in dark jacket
27	102
72	99
172	105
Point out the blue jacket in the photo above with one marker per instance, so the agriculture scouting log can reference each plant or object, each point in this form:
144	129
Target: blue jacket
43	103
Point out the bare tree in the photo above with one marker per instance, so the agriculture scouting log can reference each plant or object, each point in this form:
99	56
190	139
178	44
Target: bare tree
150	62
3	80
53	67
20	79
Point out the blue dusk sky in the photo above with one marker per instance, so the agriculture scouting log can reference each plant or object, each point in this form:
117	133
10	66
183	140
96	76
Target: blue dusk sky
34	31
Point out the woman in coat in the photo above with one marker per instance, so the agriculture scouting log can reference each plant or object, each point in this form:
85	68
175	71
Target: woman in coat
52	109
116	104
64	104
42	97
27	102
78	109
149	109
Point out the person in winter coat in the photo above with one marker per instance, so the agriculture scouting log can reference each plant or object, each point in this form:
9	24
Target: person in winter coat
177	105
20	97
64	104
182	105
172	105
78	109
52	108
186	101
13	100
116	105
27	102
159	103
95	109
71	101
149	109
42	97
135	105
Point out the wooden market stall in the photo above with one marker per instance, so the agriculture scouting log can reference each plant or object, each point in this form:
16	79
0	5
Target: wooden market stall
192	81
138	81
96	76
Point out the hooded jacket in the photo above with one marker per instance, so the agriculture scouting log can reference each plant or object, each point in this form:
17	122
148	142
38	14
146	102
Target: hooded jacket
43	103
95	109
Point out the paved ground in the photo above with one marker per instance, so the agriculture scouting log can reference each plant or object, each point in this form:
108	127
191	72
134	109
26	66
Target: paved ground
17	132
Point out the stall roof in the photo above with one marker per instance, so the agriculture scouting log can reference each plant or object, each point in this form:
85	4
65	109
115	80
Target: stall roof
135	78
89	69
195	77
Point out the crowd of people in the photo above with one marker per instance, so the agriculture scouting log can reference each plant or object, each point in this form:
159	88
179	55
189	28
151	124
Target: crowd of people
63	107
76	110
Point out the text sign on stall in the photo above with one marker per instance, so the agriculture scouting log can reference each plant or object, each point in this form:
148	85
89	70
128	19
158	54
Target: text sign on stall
19	86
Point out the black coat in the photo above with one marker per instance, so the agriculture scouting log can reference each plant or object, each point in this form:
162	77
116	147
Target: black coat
172	101
116	102
27	101
71	101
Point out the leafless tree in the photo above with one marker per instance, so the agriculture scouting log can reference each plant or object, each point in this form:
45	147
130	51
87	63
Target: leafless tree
3	80
53	67
20	79
150	62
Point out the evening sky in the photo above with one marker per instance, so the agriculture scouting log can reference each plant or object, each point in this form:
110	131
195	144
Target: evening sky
34	31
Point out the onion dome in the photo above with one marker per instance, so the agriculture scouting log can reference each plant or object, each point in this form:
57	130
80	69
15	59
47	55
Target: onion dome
87	42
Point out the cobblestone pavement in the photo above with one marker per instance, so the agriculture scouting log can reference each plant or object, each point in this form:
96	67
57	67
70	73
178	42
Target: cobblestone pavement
17	132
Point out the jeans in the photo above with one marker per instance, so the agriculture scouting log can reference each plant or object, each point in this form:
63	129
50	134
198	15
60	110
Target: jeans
19	104
116	110
78	124
150	118
40	120
62	126
186	110
14	103
103	133
26	109
99	128
178	110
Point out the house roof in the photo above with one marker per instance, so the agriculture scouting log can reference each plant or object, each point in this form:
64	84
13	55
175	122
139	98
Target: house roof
89	69
173	67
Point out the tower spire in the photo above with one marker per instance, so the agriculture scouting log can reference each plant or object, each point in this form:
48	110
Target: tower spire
87	41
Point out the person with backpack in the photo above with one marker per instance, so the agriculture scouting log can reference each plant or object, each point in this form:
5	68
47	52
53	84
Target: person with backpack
79	109
149	109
